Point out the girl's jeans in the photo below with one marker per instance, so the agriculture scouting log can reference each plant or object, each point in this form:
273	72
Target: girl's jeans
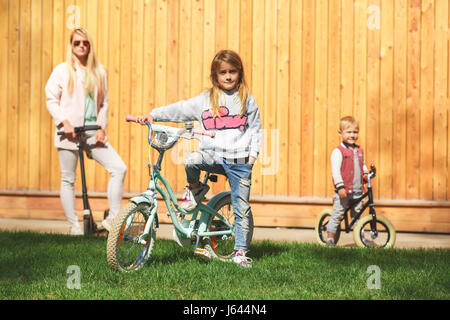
108	158
239	175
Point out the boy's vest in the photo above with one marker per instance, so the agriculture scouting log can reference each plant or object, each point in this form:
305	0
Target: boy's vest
347	167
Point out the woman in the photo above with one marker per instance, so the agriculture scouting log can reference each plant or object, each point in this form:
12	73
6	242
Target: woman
77	95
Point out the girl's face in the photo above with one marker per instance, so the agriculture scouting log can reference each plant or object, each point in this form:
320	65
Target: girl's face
227	76
350	134
80	46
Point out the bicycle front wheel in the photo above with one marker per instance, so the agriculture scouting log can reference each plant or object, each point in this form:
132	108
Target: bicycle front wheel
222	246
365	236
128	248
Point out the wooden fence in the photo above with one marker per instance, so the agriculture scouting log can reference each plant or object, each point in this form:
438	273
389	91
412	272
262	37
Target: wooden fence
308	64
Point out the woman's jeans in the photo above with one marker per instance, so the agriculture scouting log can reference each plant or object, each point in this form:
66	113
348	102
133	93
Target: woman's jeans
239	175
108	158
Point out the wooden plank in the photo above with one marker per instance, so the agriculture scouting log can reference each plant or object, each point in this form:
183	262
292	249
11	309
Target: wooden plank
233	37
282	100
320	153
102	39
441	108
385	119
413	101
426	100
404	218
13	94
257	89
35	95
24	141
173	39
360	69
46	141
307	122
4	49
370	133
347	58
399	114
334	89
270	95
125	84
221	25
295	97
209	40
135	165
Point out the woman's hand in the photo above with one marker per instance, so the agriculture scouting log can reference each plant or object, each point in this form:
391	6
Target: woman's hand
69	130
100	138
143	119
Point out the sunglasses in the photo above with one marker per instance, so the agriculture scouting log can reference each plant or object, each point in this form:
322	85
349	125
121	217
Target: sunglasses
77	43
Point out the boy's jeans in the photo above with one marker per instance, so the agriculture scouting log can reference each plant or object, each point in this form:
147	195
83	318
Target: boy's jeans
339	206
240	176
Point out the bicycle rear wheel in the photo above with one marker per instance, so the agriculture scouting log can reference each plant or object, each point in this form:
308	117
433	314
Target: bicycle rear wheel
321	228
222	247
128	249
383	238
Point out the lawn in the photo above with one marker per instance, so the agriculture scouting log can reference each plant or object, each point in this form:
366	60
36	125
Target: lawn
51	266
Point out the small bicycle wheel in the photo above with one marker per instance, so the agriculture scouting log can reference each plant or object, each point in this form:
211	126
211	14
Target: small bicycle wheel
222	246
128	249
321	228
384	237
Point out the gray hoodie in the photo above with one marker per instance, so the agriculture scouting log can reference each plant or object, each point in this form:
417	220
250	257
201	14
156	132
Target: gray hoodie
236	136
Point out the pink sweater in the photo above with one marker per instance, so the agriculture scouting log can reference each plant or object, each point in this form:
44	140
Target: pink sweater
63	106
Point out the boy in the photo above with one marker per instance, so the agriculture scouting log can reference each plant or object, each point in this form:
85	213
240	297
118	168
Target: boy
348	171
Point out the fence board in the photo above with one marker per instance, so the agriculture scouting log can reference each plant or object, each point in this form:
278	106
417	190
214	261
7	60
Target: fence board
307	62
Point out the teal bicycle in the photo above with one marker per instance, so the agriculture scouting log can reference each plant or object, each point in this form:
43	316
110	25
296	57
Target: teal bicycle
209	227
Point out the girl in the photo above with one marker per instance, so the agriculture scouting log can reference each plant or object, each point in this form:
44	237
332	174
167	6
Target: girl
76	96
232	112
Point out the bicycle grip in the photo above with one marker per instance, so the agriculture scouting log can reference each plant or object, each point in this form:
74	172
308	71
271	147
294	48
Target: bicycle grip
208	133
130	118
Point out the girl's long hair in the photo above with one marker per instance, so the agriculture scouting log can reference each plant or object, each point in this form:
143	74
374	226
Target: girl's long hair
232	58
95	78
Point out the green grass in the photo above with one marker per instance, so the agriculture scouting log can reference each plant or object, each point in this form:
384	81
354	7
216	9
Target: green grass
34	266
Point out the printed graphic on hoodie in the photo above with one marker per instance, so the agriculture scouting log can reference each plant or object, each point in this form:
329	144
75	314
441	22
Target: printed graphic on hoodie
225	121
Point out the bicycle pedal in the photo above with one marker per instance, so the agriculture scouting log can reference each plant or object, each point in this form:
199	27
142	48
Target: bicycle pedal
203	253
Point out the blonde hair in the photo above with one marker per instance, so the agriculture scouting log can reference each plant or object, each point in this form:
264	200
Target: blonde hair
347	121
232	58
95	77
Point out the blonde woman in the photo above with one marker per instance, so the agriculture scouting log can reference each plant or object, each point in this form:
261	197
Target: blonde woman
229	110
77	95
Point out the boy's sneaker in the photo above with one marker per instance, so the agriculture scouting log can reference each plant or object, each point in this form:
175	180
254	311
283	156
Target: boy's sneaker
330	242
75	230
241	260
194	196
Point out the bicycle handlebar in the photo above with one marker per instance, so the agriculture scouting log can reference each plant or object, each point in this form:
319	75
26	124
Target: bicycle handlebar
159	128
80	129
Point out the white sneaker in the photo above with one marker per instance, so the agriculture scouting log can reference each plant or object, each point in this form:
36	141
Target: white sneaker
75	230
330	242
194	196
242	260
107	224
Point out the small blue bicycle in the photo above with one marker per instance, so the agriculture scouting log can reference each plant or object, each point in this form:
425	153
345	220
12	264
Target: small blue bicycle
210	227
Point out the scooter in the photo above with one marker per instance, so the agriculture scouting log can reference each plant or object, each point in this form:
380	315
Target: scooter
89	226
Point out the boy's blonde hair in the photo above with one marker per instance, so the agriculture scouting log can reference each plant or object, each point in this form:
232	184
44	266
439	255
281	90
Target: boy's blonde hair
232	58
348	121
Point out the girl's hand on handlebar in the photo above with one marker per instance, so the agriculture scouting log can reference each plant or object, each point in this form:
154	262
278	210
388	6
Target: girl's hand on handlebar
342	193
143	119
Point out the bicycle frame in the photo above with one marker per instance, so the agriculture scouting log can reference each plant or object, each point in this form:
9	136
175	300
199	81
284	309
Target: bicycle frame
165	190
369	203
